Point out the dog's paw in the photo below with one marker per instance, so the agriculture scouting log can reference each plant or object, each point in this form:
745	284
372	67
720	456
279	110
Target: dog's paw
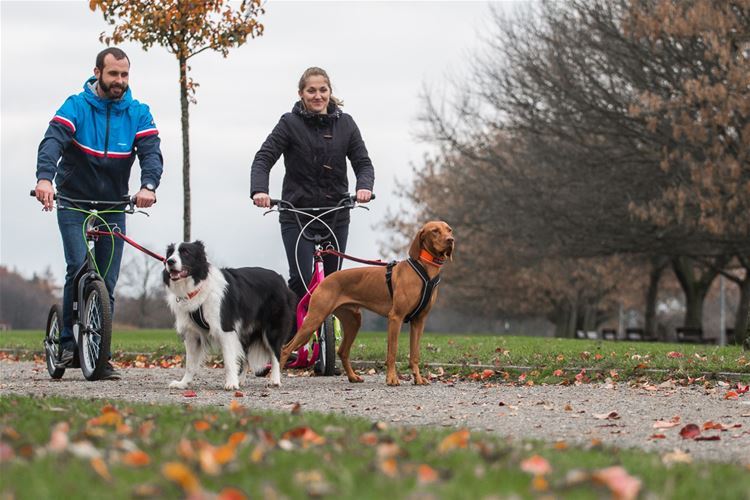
392	381
356	379
231	385
421	381
178	384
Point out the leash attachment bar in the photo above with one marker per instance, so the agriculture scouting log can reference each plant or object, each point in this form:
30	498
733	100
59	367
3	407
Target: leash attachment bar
148	252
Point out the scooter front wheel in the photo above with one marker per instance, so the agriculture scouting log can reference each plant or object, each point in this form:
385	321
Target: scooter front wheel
96	330
52	342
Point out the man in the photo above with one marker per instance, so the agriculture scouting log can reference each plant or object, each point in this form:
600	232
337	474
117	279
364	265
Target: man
88	150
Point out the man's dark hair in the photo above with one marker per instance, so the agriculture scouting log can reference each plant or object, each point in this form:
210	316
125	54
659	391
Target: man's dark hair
116	53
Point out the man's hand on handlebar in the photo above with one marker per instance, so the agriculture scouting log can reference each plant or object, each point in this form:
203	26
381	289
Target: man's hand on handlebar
45	193
262	200
145	198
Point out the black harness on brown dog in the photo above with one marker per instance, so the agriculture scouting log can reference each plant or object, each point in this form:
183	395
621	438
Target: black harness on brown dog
428	285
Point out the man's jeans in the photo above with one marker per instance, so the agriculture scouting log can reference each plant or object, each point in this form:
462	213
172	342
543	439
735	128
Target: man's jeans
74	246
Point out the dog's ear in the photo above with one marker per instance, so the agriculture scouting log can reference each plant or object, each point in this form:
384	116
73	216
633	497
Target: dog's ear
199	244
416	245
170	249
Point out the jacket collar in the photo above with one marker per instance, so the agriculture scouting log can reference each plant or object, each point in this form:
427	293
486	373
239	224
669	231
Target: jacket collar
89	93
333	112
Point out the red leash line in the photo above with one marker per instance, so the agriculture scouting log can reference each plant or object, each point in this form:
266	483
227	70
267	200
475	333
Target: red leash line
128	240
355	259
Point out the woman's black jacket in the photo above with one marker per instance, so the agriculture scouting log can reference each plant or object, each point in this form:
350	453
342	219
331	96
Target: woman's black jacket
315	148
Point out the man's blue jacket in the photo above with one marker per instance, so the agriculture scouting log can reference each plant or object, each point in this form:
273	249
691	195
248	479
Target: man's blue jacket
98	139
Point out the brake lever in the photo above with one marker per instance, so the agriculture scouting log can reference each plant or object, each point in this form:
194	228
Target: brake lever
270	210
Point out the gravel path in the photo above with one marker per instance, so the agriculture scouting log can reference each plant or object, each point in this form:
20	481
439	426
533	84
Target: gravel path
550	413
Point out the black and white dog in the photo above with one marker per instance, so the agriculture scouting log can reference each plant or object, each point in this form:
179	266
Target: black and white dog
247	312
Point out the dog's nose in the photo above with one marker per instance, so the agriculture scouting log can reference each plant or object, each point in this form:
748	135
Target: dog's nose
449	239
171	261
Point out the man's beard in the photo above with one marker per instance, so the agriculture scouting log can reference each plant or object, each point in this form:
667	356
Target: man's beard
107	89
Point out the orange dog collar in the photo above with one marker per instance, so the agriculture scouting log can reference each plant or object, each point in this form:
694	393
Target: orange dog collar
426	256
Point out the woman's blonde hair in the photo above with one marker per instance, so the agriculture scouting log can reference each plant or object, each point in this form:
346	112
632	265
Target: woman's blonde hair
315	71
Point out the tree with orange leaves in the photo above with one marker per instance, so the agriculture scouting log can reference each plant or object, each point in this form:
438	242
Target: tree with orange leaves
185	28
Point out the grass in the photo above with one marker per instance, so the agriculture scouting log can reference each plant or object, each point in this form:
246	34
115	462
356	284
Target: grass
539	359
302	455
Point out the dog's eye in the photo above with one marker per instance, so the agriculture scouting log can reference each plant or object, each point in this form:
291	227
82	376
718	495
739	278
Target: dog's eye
183	251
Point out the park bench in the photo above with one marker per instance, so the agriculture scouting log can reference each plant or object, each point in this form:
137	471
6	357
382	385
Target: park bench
638	334
691	335
609	334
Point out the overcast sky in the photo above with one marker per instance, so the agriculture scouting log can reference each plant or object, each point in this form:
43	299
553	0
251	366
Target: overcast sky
379	55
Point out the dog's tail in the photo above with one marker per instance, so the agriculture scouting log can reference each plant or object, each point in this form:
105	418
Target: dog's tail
258	355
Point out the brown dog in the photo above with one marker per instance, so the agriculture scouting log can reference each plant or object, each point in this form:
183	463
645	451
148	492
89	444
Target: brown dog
344	292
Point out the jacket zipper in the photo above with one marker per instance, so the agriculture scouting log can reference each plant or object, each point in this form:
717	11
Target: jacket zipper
106	131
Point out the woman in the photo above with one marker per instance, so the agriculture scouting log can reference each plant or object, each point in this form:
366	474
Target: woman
315	139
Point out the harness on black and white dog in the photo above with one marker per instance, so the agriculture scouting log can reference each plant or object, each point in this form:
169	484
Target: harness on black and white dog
197	315
428	285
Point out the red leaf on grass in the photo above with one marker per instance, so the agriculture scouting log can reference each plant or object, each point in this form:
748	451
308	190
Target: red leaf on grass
675	354
459	439
426	474
620	483
742	389
536	465
189	394
690	431
731	395
557	373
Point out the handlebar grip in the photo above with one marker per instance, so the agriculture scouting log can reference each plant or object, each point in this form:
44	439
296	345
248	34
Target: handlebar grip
32	193
353	197
275	202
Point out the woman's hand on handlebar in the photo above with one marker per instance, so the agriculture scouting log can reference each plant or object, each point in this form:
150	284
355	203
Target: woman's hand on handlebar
262	200
363	195
45	193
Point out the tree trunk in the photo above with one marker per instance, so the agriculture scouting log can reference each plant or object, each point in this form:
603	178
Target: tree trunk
742	321
695	287
658	264
184	103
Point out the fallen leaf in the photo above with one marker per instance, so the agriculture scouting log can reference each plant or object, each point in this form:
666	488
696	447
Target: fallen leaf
715	437
657	436
539	483
101	468
666	424
458	439
182	475
201	425
710	425
561	445
6	452
58	440
558	373
536	465
136	458
426	474
677	456
189	394
389	467
296	409
675	354
607	416
731	395
230	493
690	431
620	483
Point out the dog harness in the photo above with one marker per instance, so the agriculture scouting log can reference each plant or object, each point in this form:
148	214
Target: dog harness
428	285
199	319
197	315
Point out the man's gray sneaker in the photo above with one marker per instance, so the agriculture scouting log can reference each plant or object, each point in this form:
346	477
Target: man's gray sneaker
67	353
109	373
